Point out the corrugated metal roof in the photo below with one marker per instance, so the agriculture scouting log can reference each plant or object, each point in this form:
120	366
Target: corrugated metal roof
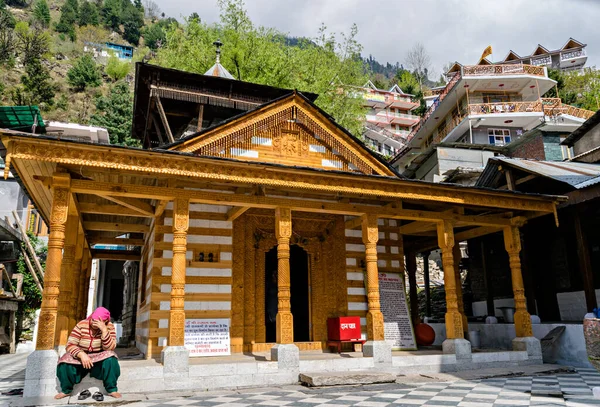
578	175
21	118
219	70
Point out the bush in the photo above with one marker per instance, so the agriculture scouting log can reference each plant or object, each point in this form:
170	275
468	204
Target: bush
117	69
84	73
41	13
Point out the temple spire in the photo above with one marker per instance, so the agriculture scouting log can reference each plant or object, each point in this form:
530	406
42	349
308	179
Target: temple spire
217	69
218	44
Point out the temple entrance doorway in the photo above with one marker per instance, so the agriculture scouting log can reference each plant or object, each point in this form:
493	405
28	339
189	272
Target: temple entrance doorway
299	290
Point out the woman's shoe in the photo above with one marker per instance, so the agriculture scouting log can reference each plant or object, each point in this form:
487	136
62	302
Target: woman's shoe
84	395
98	396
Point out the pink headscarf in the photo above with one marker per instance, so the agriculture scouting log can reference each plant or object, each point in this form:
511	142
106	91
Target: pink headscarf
100	313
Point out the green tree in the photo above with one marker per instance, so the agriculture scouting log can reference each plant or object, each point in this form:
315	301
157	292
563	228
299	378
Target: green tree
117	69
32	43
41	13
133	21
84	73
327	65
88	14
7	35
38	86
115	113
407	81
154	36
111	14
68	18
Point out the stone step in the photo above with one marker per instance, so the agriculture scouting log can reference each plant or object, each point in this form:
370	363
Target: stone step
318	379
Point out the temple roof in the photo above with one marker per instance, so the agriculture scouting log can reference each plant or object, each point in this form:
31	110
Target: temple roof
219	70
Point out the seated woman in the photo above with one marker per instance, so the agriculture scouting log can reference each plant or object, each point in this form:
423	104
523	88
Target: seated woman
90	349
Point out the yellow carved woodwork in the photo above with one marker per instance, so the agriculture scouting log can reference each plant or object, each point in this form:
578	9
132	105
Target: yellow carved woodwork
512	242
370	236
282	133
454	320
66	280
177	315
283	232
56	240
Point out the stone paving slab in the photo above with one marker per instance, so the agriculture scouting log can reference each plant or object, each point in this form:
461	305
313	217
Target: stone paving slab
317	379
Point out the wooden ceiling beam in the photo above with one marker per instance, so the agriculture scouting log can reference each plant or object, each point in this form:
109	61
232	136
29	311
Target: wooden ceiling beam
100	209
353	223
116	227
132	203
459	237
163	118
125	255
236	212
215	198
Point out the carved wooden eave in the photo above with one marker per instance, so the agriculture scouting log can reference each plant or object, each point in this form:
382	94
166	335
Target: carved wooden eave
337	188
281	121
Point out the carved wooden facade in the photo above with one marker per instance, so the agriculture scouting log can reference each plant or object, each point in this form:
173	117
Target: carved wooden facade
201	223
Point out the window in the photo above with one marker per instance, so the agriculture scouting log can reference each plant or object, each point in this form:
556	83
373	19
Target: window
499	137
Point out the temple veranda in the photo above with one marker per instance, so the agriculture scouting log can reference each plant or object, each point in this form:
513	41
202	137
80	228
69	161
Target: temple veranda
275	210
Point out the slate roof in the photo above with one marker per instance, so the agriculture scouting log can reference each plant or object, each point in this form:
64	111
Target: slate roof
577	175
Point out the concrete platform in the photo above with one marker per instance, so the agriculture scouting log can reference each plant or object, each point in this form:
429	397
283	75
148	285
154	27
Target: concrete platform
319	379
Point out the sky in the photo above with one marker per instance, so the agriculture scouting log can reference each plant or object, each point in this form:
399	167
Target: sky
450	30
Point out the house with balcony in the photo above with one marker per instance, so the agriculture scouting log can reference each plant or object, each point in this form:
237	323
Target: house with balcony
480	113
389	119
571	56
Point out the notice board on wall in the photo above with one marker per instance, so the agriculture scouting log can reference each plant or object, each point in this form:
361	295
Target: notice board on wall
398	329
207	337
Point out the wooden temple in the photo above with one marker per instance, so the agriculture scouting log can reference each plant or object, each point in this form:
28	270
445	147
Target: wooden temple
274	200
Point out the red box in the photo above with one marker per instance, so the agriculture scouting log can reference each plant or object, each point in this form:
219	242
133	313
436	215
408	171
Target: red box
343	329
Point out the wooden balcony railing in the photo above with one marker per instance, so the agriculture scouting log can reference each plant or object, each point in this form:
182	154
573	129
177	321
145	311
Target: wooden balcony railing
554	107
507	69
505	107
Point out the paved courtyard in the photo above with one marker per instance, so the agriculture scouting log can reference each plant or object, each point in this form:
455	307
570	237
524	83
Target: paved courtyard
563	389
555	390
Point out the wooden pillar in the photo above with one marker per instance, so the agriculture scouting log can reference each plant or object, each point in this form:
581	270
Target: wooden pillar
459	292
56	240
64	327
370	236
284	321
411	270
427	284
512	242
181	212
454	320
585	265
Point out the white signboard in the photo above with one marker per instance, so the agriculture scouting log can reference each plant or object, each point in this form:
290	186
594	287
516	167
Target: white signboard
398	329
207	337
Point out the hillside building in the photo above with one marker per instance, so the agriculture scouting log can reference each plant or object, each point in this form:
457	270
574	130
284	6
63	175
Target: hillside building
570	57
484	110
389	118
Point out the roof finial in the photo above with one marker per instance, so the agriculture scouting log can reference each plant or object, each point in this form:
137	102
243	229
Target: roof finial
218	44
